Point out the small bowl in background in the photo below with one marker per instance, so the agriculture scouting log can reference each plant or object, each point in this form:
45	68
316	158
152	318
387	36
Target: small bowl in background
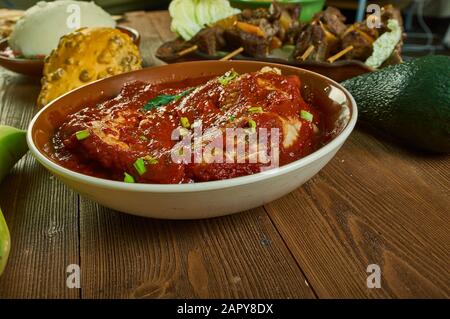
35	67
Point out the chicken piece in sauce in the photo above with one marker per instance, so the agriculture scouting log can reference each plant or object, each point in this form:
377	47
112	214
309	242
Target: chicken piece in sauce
122	135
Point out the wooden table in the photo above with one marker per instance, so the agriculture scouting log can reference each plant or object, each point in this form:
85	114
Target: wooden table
375	203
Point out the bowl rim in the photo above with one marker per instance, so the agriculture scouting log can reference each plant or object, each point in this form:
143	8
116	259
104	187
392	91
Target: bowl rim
200	186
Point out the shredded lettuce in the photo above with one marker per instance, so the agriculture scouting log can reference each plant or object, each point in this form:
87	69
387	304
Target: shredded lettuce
385	44
183	18
202	13
190	16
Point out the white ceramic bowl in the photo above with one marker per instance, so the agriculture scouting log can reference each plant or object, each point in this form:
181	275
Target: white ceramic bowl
199	200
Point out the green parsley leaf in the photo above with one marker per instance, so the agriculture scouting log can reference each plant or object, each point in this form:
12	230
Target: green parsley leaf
165	99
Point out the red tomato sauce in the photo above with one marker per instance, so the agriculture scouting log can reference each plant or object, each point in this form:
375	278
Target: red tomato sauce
132	135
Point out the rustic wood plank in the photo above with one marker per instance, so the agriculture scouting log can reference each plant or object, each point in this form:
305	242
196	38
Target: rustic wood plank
124	256
373	204
161	20
150	37
42	214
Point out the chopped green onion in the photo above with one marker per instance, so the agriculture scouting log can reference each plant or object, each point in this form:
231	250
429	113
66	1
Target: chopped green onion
232	118
185	122
228	77
81	135
255	109
252	125
143	138
128	178
306	115
139	165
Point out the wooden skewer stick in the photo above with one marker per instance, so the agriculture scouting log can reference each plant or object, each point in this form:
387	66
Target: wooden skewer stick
340	54
307	53
188	50
232	54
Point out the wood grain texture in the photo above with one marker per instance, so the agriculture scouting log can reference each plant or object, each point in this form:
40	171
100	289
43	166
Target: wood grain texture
238	256
42	214
373	204
150	26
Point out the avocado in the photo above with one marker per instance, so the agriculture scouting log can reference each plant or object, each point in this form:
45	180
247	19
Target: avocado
409	101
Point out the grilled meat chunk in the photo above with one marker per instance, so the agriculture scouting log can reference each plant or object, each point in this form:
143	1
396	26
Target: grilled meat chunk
250	15
359	37
253	44
210	40
168	50
333	19
325	43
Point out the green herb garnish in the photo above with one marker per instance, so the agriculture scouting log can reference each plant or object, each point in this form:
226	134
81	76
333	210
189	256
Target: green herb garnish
81	135
139	165
128	178
255	109
306	115
232	118
165	99
143	138
184	121
228	77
